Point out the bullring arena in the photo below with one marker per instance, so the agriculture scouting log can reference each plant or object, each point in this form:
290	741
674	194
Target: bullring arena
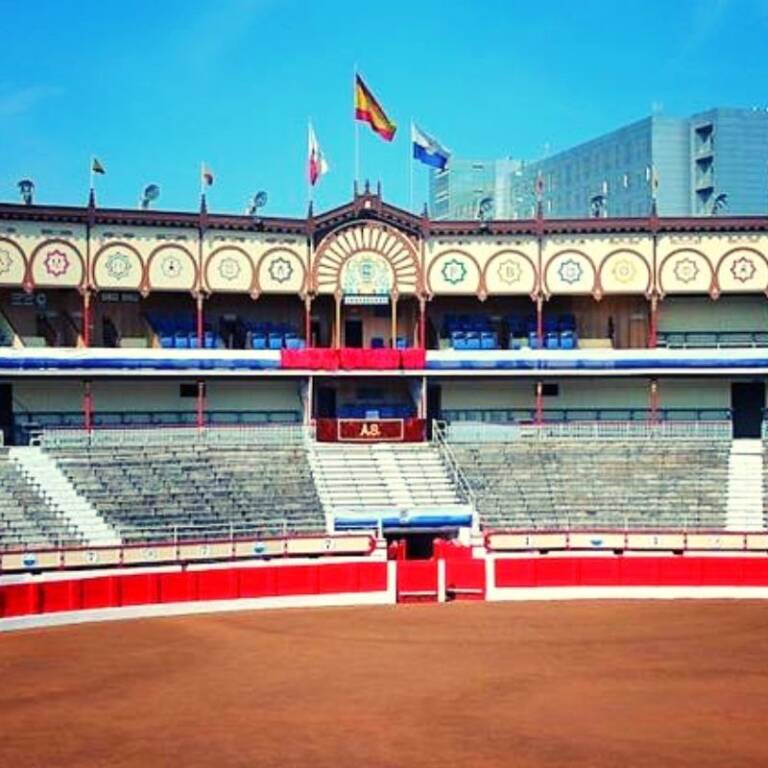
366	488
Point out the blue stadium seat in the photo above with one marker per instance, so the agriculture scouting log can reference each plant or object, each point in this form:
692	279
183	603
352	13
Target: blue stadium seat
258	341
377	342
181	340
552	341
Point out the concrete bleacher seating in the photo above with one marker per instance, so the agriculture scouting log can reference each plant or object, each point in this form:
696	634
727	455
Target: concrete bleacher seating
155	493
383	476
26	519
584	483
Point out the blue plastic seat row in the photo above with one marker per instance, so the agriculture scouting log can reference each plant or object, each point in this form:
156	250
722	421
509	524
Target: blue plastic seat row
474	340
276	340
552	340
375	411
377	342
188	340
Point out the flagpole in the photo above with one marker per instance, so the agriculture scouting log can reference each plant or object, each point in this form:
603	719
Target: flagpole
90	174
357	127
410	168
202	178
307	161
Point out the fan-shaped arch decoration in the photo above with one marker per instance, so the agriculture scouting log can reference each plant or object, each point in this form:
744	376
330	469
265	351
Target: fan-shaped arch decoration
170	267
229	269
625	271
117	265
369	255
56	264
742	269
686	270
13	264
570	271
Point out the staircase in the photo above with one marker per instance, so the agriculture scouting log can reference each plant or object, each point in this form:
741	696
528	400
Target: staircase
404	485
745	486
42	471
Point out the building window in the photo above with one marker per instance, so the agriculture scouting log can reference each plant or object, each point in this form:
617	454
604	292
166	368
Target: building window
550	390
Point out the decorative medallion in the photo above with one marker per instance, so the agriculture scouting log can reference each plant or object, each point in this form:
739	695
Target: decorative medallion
366	274
686	270
5	261
570	271
229	268
624	270
743	269
280	269
171	266
510	271
56	263
118	265
454	271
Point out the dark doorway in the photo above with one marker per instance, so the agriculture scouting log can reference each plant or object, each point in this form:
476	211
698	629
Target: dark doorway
434	406
747	403
326	403
353	333
6	413
419	546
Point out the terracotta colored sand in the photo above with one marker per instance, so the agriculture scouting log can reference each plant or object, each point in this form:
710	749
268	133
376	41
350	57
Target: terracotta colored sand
547	684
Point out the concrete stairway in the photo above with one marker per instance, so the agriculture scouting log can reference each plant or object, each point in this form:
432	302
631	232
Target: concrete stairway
42	471
405	480
745	486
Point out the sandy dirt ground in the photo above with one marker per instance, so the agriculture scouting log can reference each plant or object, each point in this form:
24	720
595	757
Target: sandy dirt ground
658	684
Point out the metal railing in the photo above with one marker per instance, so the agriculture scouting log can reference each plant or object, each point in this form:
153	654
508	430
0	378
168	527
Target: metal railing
483	432
466	493
276	435
528	415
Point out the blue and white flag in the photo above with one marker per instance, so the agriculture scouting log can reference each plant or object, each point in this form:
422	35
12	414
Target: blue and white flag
428	150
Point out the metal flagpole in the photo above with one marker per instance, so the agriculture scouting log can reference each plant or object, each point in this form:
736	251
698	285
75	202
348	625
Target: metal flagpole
410	168
357	127
307	166
91	177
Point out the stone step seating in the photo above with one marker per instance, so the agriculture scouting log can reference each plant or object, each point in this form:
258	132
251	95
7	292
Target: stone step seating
151	493
26	520
583	483
360	477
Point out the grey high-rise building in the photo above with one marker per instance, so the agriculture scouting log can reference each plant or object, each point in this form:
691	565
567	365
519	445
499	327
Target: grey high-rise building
709	163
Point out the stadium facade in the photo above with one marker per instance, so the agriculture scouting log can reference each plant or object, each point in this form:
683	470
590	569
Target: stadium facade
124	316
695	161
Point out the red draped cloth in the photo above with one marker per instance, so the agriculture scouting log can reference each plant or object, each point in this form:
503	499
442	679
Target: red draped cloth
348	358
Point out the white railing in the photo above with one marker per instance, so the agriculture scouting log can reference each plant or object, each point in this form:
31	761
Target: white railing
466	493
482	432
236	435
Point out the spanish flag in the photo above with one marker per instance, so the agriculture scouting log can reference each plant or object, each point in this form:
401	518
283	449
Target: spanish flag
368	110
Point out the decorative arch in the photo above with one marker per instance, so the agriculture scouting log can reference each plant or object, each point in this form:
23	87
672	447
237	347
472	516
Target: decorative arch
229	269
13	262
342	244
182	277
280	263
456	267
63	266
508	275
103	253
629	273
742	269
687	270
575	274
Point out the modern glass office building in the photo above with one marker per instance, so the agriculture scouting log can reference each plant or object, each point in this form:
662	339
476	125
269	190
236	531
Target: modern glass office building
714	162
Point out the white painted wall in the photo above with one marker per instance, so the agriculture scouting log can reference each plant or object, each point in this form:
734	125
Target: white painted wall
700	313
145	395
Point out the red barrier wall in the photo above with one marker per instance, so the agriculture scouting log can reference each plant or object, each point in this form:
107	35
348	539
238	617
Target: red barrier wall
632	571
219	584
417	581
465	579
349	358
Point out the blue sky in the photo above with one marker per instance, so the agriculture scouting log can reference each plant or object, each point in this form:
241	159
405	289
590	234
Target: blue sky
153	88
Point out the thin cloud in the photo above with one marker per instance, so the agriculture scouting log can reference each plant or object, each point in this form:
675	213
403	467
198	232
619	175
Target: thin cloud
19	101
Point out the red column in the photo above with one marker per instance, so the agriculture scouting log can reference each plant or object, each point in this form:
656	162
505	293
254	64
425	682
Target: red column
200	420
654	323
308	321
654	401
200	320
539	419
87	406
540	321
86	330
423	323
